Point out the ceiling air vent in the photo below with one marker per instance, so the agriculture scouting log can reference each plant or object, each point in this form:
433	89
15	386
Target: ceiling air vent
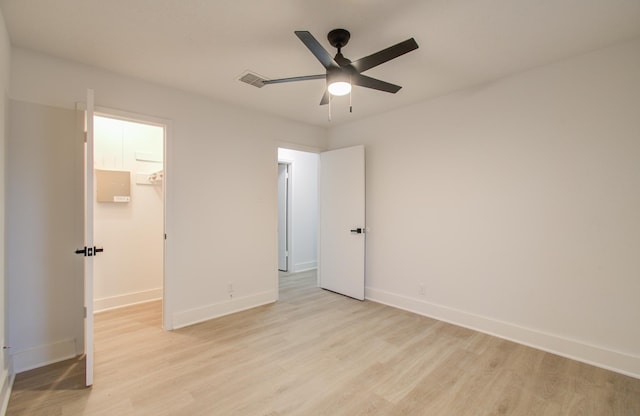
252	79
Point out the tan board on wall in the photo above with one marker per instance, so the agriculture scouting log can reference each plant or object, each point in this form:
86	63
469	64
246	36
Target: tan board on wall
113	185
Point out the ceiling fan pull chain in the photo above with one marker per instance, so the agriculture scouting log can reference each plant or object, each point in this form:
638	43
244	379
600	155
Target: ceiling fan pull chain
330	99
350	97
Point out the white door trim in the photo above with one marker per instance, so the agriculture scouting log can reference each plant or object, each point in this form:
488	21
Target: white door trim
287	217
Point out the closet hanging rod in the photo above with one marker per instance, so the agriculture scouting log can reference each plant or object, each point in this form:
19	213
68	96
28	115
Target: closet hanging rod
156	177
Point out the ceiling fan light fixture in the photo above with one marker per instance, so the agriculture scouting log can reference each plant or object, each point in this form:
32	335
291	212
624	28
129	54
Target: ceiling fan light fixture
338	82
339	88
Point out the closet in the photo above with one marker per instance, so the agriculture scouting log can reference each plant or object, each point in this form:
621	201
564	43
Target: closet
128	212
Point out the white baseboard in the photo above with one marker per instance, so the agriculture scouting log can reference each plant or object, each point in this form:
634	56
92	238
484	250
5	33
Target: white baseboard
113	302
305	266
216	310
43	355
5	391
591	354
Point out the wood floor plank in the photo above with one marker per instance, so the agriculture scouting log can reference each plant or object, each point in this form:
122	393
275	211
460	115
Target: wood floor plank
315	353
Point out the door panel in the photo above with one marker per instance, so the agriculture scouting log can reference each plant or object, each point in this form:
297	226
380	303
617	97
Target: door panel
342	221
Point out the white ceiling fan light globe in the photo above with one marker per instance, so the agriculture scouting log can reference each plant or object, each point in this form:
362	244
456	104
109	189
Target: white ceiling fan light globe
339	88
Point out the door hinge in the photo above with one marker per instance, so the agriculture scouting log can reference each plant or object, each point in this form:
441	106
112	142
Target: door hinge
85	136
85	311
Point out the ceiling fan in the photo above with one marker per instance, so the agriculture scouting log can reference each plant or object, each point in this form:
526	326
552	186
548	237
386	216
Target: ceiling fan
341	73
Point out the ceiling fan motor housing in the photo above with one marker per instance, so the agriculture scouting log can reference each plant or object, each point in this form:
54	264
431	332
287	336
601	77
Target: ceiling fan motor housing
339	38
342	74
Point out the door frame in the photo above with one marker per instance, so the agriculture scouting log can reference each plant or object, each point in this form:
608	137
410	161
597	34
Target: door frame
166	186
299	148
288	205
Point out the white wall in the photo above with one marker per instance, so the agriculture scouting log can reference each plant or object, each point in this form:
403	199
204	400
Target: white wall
517	205
5	60
220	182
304	208
130	270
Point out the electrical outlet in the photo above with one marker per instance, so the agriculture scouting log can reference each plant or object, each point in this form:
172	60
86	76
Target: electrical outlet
423	290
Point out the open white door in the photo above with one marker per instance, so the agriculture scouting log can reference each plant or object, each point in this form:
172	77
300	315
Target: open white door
89	248
342	221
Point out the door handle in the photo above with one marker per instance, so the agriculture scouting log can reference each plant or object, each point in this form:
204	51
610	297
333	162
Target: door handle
357	231
89	251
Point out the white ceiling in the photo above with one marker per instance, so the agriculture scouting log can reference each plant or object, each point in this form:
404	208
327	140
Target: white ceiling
203	46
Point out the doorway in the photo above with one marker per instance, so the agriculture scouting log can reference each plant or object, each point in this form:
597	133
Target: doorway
129	165
297	212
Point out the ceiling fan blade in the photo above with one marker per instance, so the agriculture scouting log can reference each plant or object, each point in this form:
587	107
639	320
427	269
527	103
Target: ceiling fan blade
325	98
384	55
314	46
376	84
294	79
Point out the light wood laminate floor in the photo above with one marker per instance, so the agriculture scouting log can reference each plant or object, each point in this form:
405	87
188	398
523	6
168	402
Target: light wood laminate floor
316	353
